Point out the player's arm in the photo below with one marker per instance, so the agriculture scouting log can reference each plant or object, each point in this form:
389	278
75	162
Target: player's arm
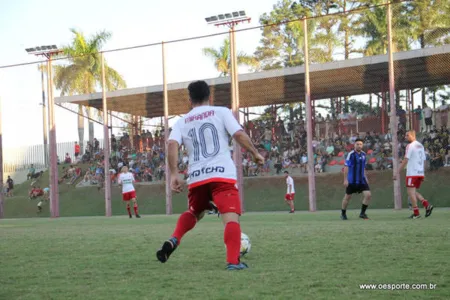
365	176
173	156
405	160
175	140
348	163
245	142
345	175
403	164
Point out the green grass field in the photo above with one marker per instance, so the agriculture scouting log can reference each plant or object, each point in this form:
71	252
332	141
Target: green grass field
261	194
293	256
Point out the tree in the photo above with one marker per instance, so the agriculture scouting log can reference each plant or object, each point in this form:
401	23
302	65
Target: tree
374	27
222	58
83	74
430	24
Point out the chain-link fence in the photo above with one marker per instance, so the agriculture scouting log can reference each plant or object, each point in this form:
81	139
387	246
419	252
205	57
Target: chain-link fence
303	117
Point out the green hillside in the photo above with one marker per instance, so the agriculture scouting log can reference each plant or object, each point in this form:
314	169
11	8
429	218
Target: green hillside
261	194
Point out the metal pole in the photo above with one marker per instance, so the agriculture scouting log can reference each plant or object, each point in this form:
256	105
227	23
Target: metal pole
1	164
397	190
44	119
309	129
111	123
166	135
413	122
108	211
237	154
383	108
54	196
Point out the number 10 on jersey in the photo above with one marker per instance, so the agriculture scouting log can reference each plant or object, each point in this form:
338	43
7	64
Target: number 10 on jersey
207	141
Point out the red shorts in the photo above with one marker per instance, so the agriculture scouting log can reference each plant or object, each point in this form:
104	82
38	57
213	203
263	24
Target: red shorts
414	181
129	195
224	195
289	197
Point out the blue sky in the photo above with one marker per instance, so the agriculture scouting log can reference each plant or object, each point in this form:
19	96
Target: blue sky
31	23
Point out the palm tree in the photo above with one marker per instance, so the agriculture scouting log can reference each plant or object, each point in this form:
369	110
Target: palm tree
222	59
83	75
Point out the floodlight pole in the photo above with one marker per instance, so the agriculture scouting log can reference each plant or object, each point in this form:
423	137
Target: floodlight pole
106	150
1	163
166	134
231	20
54	195
393	120
237	153
44	119
309	125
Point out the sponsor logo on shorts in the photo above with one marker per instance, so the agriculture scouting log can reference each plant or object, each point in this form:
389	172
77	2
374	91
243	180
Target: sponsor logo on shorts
207	170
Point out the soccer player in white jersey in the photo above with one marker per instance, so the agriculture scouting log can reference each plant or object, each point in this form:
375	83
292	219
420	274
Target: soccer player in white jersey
126	179
290	193
212	174
415	173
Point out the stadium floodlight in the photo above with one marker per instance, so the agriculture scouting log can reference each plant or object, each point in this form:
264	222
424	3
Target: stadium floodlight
230	19
45	50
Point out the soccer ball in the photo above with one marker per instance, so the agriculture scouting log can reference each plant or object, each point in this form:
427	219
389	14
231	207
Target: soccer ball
246	245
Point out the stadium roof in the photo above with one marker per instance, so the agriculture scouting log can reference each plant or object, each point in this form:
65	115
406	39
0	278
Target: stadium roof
413	69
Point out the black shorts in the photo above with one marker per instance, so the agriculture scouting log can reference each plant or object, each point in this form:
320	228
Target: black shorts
76	154
428	121
356	188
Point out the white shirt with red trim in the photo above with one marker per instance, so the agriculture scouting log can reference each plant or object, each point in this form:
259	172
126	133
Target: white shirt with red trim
415	154
126	179
205	133
290	182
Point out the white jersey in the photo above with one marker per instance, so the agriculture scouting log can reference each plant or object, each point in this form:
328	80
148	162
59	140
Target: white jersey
126	179
290	182
415	154
204	132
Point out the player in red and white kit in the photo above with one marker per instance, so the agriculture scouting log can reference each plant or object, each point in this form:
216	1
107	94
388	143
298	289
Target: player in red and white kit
126	179
205	131
290	193
415	173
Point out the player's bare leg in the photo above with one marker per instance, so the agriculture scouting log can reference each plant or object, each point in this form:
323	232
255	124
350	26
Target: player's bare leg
344	206
412	195
365	203
135	207
232	239
129	209
291	204
425	203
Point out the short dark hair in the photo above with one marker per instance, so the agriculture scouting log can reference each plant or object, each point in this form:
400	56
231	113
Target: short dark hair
286	172
359	140
198	91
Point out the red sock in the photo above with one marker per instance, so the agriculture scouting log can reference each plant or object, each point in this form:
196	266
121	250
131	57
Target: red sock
424	203
135	209
129	210
185	223
416	211
232	239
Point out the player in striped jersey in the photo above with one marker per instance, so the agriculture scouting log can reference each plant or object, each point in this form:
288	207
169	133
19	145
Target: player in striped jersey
355	180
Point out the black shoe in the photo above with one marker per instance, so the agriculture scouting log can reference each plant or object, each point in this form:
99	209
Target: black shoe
364	216
167	249
344	217
292	211
130	216
429	211
138	216
413	216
